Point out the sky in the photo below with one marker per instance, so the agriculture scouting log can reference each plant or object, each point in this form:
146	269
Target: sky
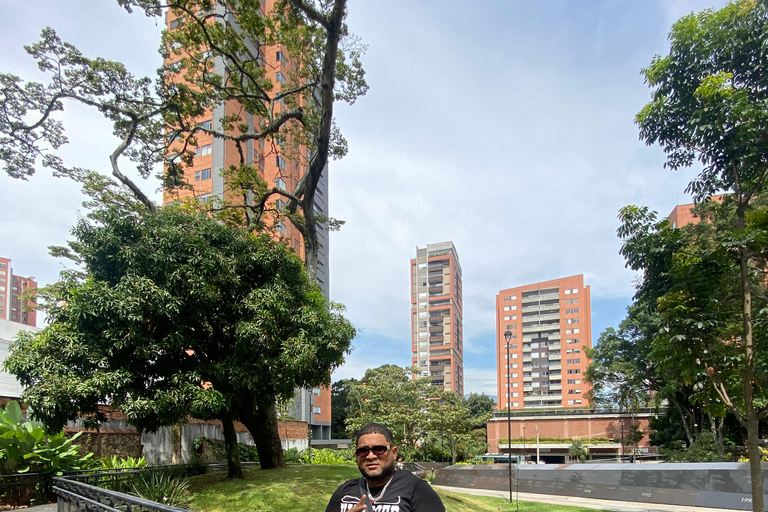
504	126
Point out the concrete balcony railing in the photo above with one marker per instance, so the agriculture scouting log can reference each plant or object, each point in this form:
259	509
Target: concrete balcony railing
540	298
540	328
556	366
542	317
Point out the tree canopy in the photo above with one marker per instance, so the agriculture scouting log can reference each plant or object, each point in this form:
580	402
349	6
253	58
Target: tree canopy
175	314
709	102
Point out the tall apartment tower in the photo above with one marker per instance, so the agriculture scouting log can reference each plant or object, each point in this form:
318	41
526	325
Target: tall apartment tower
12	288
550	324
437	338
277	167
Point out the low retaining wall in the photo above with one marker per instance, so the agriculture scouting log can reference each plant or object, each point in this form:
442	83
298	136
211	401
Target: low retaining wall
717	485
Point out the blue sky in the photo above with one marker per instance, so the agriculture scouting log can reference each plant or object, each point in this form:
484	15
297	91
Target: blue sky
504	126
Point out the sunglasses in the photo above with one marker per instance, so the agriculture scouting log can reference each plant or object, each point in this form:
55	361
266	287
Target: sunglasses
378	451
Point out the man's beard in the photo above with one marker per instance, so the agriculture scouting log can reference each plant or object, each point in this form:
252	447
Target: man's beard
386	472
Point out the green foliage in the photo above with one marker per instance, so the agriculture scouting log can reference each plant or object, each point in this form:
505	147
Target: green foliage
168	302
703	449
162	487
292	455
340	407
25	446
116	462
578	451
326	456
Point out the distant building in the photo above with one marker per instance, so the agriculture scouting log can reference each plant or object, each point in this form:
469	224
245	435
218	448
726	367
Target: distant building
550	324
9	386
437	338
682	214
12	288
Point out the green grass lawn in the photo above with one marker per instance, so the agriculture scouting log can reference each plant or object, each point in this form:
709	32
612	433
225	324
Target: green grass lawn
308	488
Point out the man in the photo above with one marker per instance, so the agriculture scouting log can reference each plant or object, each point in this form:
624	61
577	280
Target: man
383	488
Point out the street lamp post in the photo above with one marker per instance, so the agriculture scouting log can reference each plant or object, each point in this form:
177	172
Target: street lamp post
507	338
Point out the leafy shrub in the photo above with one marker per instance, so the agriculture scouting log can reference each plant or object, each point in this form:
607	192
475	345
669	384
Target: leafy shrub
163	487
703	449
25	447
115	462
763	455
325	456
292	455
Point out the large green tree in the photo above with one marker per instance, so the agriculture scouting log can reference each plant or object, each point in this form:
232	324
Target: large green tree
173	314
710	102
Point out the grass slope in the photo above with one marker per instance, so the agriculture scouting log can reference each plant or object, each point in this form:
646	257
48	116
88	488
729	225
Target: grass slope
308	488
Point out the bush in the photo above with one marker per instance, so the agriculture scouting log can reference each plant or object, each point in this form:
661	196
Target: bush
117	463
162	486
703	449
25	447
292	455
326	456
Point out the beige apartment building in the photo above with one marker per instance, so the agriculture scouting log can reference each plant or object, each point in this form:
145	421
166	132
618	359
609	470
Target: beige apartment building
549	324
437	338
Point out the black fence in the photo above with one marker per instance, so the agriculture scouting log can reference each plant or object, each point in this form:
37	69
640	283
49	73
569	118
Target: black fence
25	489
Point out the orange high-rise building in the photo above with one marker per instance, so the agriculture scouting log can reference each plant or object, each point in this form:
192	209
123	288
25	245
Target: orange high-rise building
436	316
281	164
550	324
12	289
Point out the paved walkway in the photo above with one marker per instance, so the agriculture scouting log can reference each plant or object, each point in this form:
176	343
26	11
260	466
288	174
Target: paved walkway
618	506
39	508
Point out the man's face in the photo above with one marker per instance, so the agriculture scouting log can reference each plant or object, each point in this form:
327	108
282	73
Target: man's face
376	468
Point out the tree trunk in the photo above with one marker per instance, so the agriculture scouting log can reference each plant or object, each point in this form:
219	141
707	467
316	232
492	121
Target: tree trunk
755	471
262	423
234	469
684	419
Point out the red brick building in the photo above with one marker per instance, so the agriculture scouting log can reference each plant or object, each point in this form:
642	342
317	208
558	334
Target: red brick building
549	324
601	432
13	306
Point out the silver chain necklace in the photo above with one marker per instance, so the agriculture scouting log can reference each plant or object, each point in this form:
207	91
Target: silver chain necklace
377	498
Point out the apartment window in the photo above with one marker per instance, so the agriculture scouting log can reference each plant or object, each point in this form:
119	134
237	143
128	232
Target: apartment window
510	297
515	404
574	381
515	384
571	301
515	395
422	334
204	198
2	272
296	245
205	174
423	295
2	264
570	402
514	365
514	375
280	57
279	183
578	402
206	125
574	371
574	361
513	345
279	77
571	341
175	23
422	354
280	205
203	150
422	304
513	326
315	410
571	311
514	356
423	314
175	67
280	228
572	321
280	162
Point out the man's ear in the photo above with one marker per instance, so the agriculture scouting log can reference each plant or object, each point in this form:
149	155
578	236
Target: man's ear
394	451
